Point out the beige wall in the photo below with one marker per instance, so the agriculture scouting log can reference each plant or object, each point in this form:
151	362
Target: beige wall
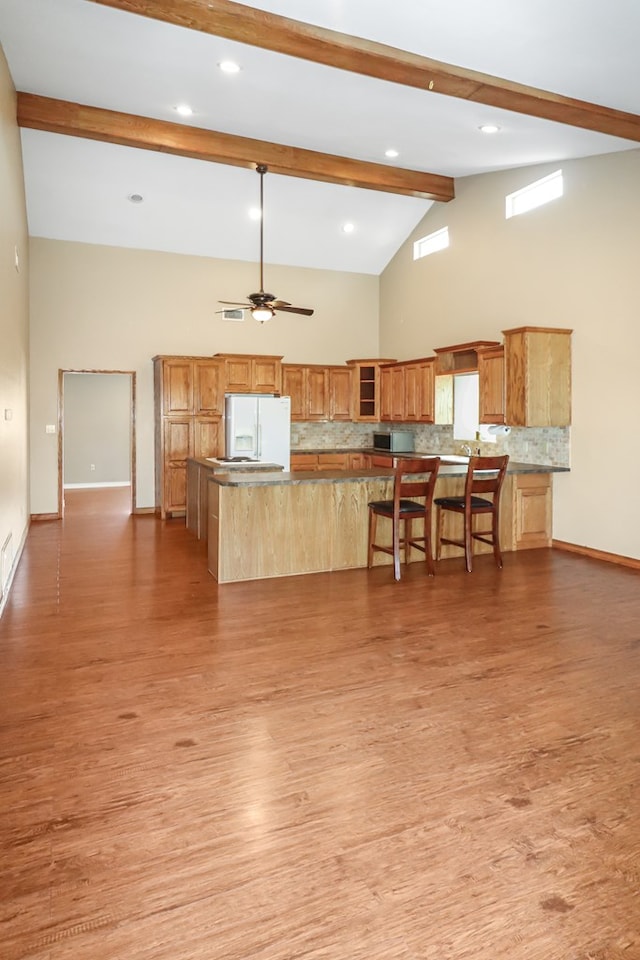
106	308
14	337
573	263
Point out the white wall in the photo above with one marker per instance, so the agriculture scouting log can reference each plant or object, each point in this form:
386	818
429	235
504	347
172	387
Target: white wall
107	308
572	263
14	337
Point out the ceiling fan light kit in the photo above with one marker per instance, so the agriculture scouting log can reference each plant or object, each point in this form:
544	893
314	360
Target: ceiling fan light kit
262	314
263	305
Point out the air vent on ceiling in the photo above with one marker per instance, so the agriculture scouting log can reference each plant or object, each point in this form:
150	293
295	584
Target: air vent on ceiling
237	315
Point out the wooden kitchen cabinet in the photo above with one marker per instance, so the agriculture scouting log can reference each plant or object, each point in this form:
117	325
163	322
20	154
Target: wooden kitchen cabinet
251	373
532	510
208	388
419	391
491	385
334	461
308	387
366	388
340	393
317	392
189	398
303	461
407	391
538	376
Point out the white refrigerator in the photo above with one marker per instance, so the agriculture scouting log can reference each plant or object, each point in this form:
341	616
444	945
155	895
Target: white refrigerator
258	427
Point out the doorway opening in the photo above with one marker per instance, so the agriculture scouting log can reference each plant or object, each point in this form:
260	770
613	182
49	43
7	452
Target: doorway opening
96	441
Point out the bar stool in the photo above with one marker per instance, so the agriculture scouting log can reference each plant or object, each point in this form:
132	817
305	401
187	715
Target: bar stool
402	509
485	476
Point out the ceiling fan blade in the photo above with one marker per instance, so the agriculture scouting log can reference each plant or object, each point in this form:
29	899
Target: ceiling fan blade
280	303
304	311
234	303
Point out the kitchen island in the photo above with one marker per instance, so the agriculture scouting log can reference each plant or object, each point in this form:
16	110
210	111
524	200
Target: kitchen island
264	525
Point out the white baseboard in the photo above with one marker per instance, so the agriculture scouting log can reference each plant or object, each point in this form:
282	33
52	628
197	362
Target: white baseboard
88	486
4	590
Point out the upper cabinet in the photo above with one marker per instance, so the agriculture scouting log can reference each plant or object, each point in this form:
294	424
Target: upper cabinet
538	376
340	394
317	392
407	391
308	387
491	384
249	373
366	388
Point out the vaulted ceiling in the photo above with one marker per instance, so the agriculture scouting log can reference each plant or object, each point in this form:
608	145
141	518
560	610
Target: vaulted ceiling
319	100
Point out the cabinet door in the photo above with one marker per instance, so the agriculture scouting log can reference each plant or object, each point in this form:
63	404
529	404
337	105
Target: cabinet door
427	392
208	393
266	375
386	394
317	393
293	385
334	461
359	461
238	374
491	385
177	387
339	393
304	461
178	445
397	393
208	438
532	510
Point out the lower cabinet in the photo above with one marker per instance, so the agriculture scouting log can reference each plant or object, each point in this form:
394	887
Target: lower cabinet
532	510
181	438
320	461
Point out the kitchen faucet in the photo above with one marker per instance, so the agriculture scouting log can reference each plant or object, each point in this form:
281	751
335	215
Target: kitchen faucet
467	449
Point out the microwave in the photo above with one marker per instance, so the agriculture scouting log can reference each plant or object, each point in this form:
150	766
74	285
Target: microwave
394	441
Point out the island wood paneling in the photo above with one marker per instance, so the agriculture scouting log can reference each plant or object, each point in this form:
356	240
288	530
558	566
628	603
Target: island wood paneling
290	528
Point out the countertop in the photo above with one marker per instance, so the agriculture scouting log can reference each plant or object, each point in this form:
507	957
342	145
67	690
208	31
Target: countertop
246	479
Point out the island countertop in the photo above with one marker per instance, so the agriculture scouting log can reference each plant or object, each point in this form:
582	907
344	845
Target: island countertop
241	478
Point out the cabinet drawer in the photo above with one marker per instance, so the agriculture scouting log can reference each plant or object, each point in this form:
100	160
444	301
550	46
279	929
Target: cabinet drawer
334	461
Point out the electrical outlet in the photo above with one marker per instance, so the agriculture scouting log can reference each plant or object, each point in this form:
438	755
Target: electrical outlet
92	467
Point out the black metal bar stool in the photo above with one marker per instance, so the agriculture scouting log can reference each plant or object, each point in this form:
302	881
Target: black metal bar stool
485	476
402	509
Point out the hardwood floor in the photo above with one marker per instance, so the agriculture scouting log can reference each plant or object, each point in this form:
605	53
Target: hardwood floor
328	767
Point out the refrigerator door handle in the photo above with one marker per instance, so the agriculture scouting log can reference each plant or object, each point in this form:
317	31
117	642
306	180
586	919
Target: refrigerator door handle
259	441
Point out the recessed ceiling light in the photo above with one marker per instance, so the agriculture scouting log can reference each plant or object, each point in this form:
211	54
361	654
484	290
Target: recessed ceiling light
254	213
184	110
229	66
489	128
135	198
348	227
391	154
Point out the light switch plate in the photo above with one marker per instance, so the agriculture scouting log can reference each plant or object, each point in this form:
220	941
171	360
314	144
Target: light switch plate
50	428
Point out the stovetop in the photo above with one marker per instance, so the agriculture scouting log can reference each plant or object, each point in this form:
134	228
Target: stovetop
237	460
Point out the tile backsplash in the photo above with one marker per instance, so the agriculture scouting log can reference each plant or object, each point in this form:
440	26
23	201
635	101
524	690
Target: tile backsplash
544	445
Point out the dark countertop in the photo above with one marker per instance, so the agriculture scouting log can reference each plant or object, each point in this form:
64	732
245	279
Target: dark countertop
234	466
247	479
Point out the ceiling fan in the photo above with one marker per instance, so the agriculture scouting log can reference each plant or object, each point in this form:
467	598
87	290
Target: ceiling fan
263	305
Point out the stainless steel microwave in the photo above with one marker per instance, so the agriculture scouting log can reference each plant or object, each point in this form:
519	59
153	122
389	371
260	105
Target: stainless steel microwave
394	441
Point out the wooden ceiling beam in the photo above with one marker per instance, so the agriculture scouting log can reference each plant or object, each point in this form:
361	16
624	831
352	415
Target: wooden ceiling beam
94	123
244	24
